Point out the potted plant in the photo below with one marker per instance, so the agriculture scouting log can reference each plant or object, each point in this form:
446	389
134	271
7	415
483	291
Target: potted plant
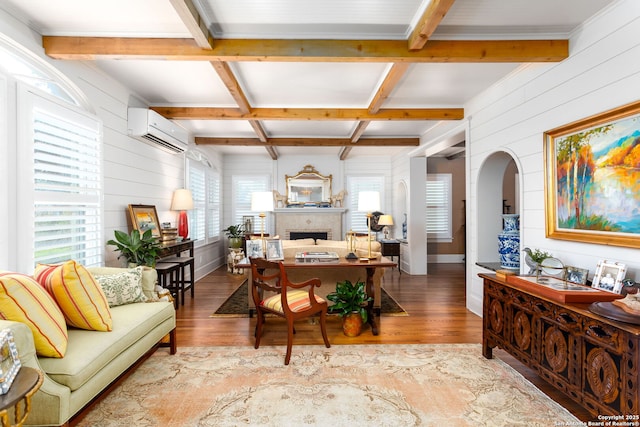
235	233
350	302
135	248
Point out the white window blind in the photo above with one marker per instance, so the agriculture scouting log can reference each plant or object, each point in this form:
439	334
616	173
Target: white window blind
204	183
356	184
243	186
439	206
67	185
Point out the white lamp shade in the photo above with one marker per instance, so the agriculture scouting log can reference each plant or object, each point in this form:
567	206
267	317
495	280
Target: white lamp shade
385	220
262	201
368	201
182	200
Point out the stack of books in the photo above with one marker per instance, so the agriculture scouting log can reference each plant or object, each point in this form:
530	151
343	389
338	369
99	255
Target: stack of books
315	257
168	235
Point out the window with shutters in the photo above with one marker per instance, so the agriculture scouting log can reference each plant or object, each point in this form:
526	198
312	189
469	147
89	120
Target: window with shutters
242	187
355	184
439	207
204	183
63	147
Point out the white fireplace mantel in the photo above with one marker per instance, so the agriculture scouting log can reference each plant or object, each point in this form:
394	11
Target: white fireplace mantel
311	219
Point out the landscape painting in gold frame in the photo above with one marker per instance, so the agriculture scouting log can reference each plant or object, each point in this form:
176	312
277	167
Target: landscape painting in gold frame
143	218
592	179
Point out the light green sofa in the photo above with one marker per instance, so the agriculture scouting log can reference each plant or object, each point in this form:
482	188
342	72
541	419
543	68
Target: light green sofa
330	276
94	360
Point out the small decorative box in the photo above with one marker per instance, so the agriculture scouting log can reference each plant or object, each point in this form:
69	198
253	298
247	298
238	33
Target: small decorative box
10	364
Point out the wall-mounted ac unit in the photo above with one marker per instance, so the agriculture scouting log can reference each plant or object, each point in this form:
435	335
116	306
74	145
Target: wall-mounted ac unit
150	127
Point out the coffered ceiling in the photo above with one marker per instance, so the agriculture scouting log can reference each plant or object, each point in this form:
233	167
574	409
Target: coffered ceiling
279	77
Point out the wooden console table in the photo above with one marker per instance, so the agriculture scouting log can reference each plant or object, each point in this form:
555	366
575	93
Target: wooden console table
176	249
592	359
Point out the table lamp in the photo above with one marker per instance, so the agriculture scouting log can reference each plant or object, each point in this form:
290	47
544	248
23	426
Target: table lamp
369	201
262	201
385	220
182	201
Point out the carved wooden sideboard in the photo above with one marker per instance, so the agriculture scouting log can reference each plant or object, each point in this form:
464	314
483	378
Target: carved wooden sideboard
591	359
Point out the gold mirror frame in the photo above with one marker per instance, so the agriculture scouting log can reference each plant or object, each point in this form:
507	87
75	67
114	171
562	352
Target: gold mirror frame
308	186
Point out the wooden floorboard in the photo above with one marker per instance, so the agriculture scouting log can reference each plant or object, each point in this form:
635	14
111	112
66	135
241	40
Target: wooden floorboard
435	303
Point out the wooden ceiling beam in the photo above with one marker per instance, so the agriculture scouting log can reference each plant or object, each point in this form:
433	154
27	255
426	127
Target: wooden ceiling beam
309	142
176	49
320	114
390	81
428	22
195	24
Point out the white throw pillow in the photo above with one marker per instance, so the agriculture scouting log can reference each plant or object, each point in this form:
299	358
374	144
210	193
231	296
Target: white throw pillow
122	288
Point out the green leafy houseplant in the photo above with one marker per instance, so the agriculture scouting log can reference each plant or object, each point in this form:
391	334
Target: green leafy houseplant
349	298
538	256
235	234
135	248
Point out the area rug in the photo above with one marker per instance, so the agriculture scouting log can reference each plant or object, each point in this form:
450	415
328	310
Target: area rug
347	385
236	305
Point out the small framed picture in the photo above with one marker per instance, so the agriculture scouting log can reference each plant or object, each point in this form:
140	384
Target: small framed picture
10	363
247	220
576	275
609	276
143	218
254	248
274	250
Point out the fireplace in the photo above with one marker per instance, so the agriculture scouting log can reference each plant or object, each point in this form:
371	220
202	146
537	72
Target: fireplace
315	235
317	223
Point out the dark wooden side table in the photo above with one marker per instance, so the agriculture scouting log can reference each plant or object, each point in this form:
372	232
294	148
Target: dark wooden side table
26	383
391	248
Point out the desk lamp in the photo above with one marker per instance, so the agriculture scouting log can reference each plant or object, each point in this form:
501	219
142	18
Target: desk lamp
385	220
369	201
182	201
262	201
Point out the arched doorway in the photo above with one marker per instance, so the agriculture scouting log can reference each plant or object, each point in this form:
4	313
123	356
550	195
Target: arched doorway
498	191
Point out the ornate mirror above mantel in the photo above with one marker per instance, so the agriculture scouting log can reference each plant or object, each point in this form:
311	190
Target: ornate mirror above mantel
308	187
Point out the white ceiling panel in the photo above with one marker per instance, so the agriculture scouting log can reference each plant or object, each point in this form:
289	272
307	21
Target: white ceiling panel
310	85
308	128
219	128
445	85
171	82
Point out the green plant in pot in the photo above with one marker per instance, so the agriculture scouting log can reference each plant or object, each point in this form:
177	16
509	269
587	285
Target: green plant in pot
235	233
350	302
137	249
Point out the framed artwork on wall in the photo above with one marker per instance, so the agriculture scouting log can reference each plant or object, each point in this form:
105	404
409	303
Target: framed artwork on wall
592	170
143	218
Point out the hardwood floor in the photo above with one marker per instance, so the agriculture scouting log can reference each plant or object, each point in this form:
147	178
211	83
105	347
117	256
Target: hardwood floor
435	303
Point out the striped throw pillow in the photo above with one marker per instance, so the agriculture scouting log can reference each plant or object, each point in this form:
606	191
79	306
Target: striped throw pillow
23	300
78	295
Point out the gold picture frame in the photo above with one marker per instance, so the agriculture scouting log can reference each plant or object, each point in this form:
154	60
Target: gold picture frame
143	218
589	166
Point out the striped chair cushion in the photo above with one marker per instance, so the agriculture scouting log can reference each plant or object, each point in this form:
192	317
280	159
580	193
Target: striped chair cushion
78	295
22	299
298	301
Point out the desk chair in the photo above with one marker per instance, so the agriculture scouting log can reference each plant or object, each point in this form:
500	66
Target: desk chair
291	301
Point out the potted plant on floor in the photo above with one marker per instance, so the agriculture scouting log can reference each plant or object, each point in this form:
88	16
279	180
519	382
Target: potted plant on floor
235	233
350	302
135	248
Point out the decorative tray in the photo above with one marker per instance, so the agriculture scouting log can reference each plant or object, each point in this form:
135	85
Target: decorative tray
611	311
561	290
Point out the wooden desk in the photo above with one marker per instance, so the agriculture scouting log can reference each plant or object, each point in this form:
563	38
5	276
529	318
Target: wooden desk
176	249
343	263
26	383
391	248
590	358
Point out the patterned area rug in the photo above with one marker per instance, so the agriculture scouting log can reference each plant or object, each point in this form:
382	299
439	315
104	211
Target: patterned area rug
350	385
236	305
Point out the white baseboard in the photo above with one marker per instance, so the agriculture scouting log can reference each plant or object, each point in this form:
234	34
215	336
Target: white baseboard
445	258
